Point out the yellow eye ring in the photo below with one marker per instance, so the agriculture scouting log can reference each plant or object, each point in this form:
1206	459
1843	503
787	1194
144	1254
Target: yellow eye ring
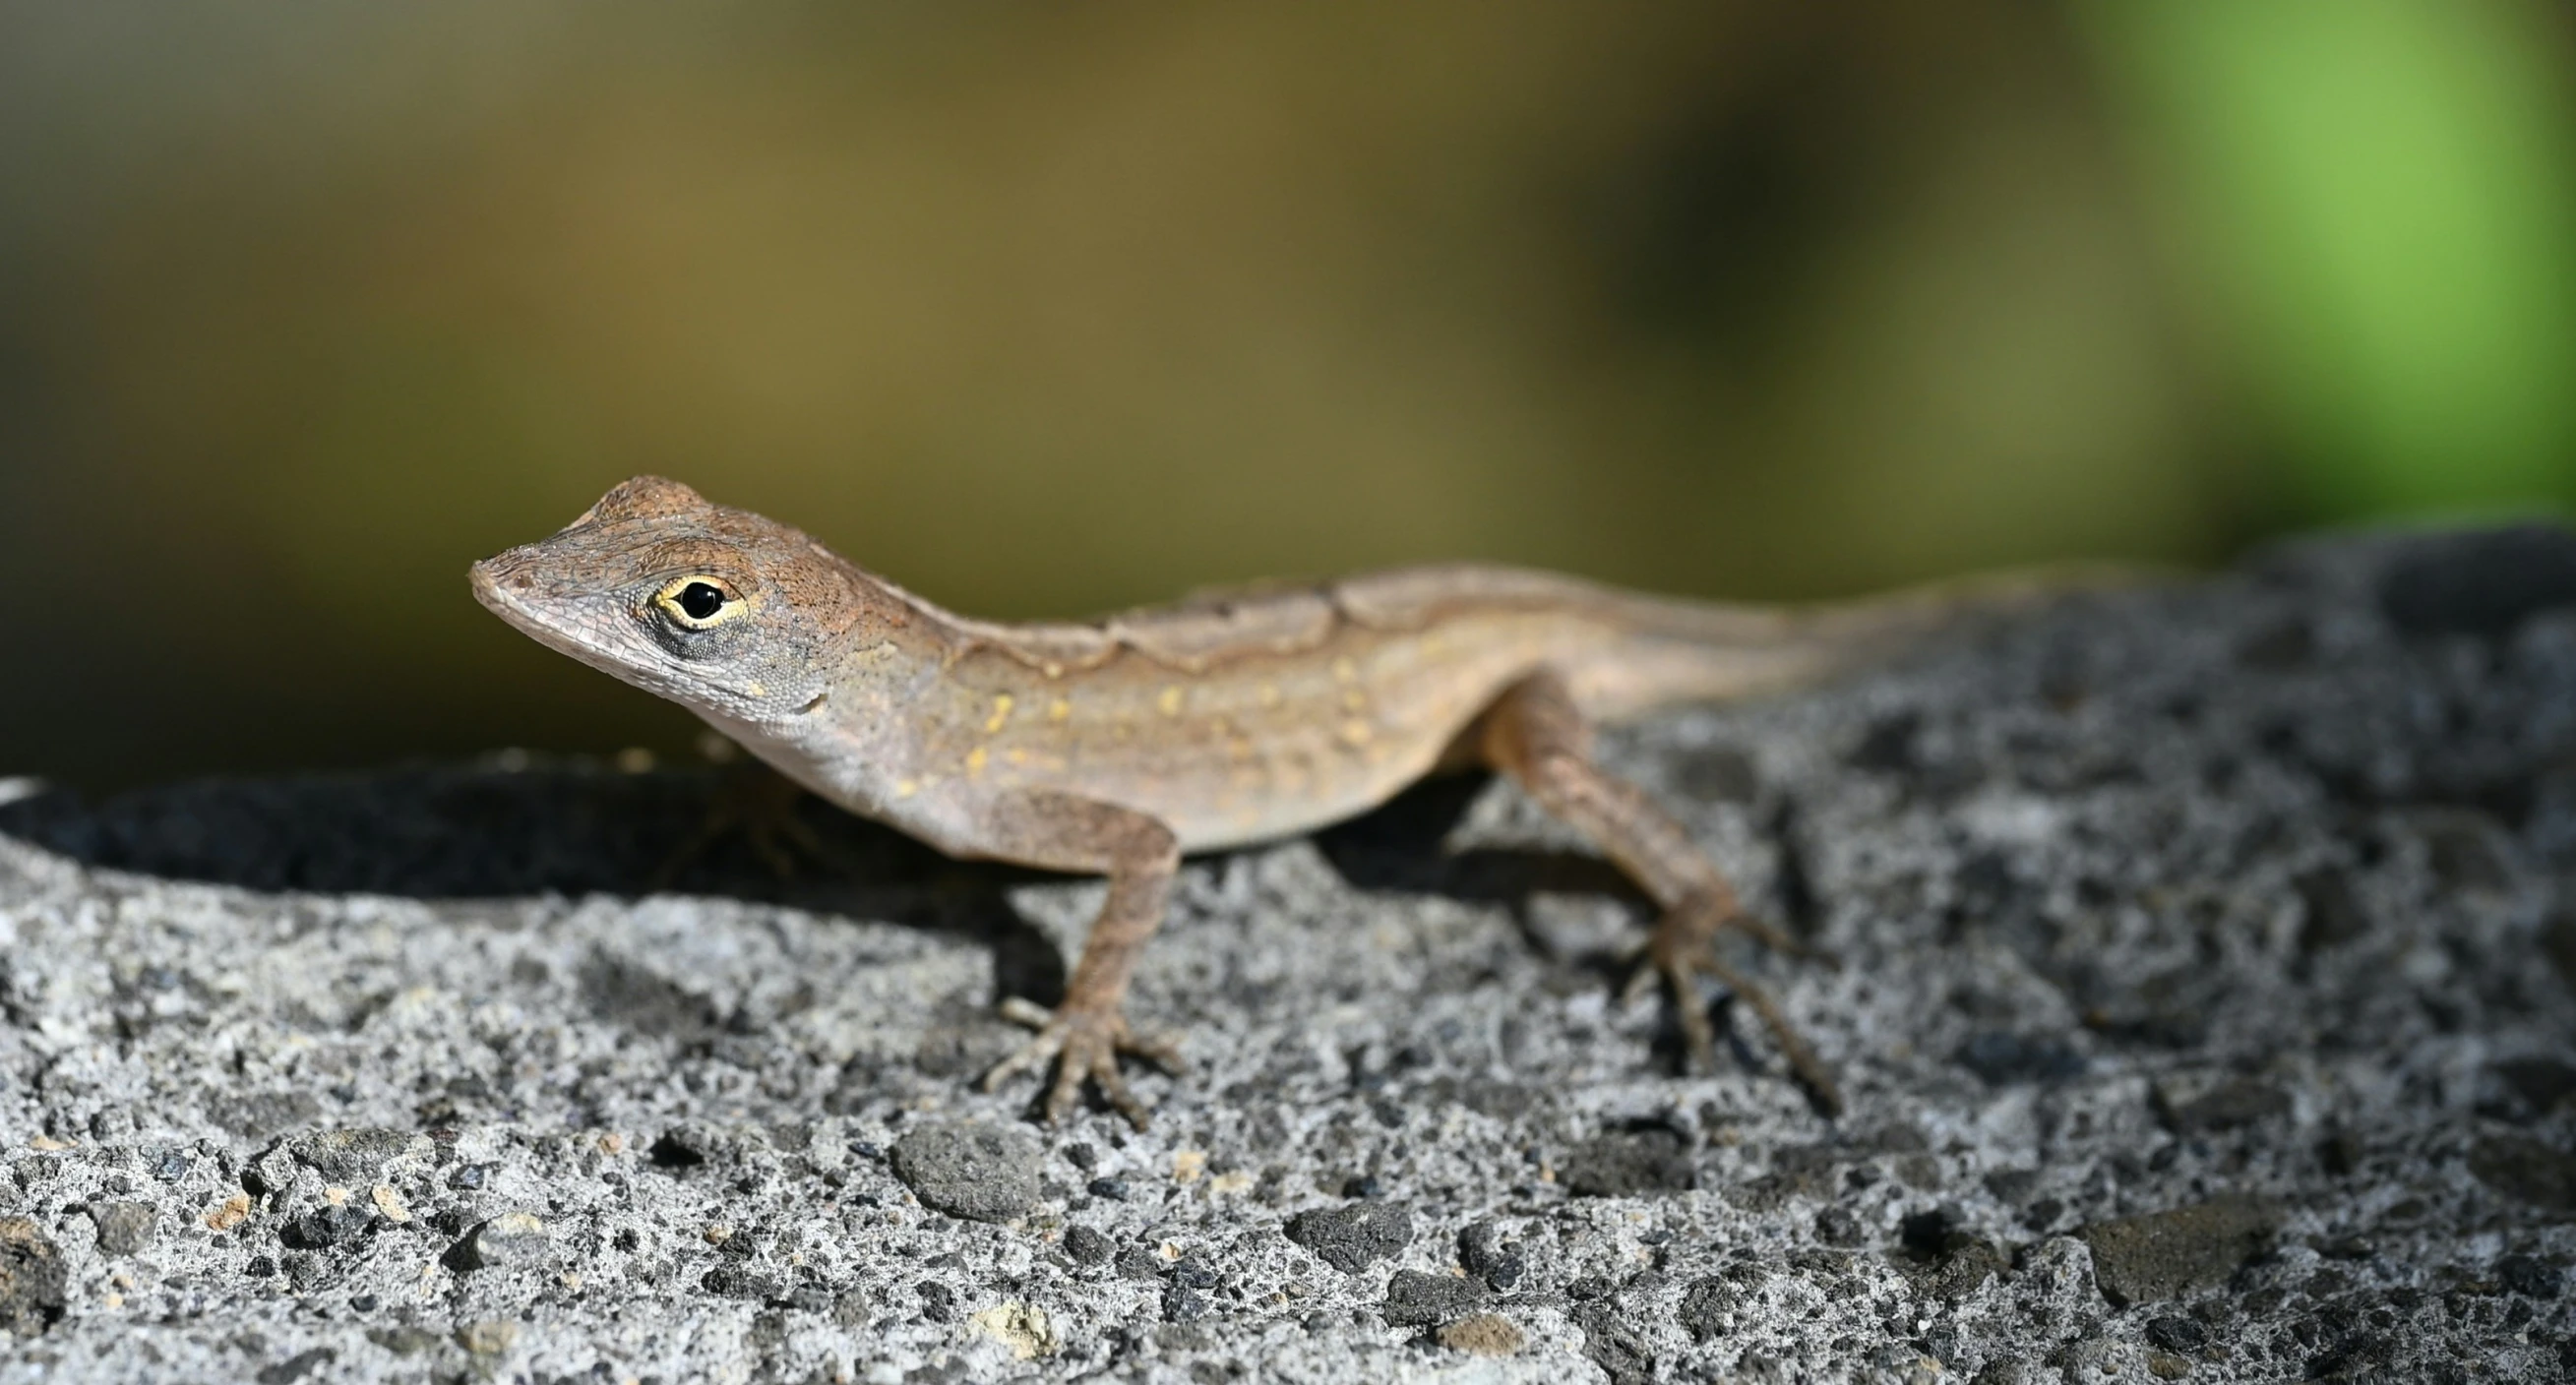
699	602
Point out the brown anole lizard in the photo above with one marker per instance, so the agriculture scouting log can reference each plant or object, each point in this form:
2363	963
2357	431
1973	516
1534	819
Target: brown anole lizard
1118	746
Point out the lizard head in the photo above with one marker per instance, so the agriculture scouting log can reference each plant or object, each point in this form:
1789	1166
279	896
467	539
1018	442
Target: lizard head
726	613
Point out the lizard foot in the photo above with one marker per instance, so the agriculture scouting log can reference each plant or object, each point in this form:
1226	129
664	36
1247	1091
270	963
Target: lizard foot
1683	948
1082	1041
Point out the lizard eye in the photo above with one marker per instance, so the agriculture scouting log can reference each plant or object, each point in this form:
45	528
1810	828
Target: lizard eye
698	602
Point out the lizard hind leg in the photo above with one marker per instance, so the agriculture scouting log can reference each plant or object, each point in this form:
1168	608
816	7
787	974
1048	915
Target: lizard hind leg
1536	734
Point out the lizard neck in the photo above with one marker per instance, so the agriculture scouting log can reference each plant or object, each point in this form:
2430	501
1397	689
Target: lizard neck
858	743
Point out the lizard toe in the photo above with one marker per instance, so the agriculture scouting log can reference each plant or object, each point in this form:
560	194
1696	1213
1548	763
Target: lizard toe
1043	1047
1081	1044
1113	1085
1161	1050
1683	949
1679	966
1081	1056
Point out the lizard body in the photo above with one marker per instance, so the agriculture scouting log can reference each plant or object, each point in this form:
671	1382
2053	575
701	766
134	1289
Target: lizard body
1115	746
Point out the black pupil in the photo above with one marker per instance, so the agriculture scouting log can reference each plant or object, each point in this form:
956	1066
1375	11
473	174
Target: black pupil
700	600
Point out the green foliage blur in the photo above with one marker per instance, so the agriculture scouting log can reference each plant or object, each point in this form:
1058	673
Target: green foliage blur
1040	309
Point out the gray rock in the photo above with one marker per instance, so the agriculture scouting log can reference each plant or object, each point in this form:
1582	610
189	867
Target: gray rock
1628	1163
2178	1333
487	1336
2193	1109
2529	1276
508	1241
260	1115
296	1367
1706	1306
1088	1247
2528	1170
851	1311
737	1281
1350	1237
2161	1255
2253	885
124	1228
353	1156
970	1169
1618	1347
1488	1253
1415	1299
320	1228
2002	1058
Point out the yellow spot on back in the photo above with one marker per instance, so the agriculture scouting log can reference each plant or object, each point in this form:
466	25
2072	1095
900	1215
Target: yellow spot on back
1170	701
975	760
1345	670
1356	732
1059	709
1001	713
1016	755
906	788
1269	694
1354	700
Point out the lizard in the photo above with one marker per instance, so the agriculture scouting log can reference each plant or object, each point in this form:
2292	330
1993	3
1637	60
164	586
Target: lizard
1118	746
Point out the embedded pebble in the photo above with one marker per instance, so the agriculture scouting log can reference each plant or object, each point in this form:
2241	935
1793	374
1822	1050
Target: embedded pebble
1482	1334
1630	1163
970	1169
2160	1255
1350	1237
124	1228
1416	1299
508	1240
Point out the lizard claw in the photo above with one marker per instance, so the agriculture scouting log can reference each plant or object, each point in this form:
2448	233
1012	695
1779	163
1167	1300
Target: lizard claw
1082	1042
1683	948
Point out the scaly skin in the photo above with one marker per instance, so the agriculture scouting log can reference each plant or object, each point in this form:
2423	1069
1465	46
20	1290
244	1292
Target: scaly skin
1117	746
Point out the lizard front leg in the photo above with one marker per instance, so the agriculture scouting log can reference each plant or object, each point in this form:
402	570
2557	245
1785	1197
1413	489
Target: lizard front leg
1084	1035
1536	734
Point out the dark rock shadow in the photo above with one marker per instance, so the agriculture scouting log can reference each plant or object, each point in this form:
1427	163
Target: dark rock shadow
573	827
577	827
1400	848
560	827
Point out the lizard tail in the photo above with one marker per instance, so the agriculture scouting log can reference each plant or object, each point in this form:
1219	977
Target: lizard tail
1667	651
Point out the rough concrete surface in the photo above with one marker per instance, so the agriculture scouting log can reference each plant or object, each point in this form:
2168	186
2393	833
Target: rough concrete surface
2204	1015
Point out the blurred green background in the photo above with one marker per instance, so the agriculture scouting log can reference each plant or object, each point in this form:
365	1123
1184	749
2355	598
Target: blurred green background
1041	309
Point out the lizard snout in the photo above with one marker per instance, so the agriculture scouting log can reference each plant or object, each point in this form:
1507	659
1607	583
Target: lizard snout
501	583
